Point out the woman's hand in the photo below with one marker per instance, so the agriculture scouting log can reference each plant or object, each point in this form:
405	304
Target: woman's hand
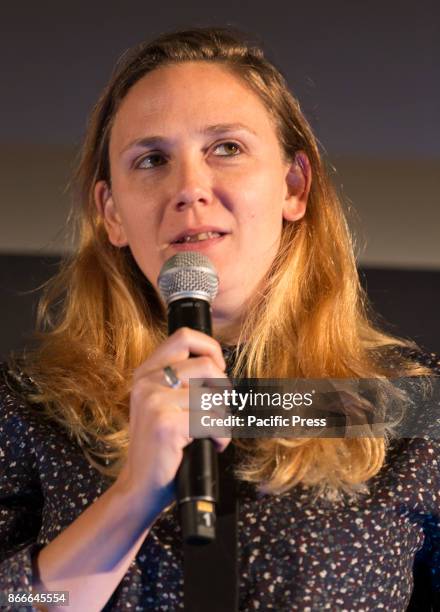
159	415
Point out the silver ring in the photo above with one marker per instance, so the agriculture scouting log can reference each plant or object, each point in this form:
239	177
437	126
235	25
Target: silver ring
171	377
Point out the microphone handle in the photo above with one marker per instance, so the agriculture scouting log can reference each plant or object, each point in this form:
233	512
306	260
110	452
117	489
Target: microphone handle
197	477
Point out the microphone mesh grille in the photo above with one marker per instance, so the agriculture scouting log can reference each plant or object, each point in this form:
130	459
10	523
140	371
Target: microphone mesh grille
188	274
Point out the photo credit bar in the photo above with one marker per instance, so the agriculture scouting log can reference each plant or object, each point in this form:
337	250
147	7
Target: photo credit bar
327	408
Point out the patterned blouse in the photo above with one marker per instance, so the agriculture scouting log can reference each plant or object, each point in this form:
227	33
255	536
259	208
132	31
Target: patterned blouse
294	553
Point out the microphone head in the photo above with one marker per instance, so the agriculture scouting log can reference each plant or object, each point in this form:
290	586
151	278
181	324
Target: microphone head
188	274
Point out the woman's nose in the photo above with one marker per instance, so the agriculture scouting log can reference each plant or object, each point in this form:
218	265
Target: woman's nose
193	184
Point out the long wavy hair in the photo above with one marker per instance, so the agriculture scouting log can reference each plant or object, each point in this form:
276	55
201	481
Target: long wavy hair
99	318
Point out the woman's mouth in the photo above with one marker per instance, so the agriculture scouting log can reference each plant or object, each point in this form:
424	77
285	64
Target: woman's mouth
200	241
198	237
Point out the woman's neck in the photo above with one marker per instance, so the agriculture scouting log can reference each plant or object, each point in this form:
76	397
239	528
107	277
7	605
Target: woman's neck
226	334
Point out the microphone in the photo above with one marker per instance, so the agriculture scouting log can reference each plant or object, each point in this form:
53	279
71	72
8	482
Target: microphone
188	283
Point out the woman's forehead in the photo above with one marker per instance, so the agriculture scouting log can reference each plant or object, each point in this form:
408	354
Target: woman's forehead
188	78
194	94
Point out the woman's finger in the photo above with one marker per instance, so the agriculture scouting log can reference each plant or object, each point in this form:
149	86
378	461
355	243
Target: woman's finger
178	347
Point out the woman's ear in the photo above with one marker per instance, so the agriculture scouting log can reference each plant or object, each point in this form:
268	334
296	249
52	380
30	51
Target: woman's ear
298	182
107	210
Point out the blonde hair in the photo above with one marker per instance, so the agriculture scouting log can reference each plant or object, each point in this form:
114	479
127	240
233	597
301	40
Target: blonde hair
99	318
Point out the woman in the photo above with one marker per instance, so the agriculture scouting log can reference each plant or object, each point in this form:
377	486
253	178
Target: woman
198	139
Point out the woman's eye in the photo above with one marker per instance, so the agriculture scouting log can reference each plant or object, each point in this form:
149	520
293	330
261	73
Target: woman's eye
141	163
229	144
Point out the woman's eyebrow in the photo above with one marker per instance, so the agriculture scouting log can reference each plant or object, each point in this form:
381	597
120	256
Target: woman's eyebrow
149	141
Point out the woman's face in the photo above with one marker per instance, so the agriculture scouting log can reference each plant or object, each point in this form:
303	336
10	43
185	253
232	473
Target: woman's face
192	151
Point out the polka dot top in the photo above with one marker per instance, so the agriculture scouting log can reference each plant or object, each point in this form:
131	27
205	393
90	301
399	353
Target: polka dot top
294	552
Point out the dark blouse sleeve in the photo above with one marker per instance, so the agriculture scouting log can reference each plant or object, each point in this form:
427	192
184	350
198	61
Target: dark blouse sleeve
426	594
20	495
